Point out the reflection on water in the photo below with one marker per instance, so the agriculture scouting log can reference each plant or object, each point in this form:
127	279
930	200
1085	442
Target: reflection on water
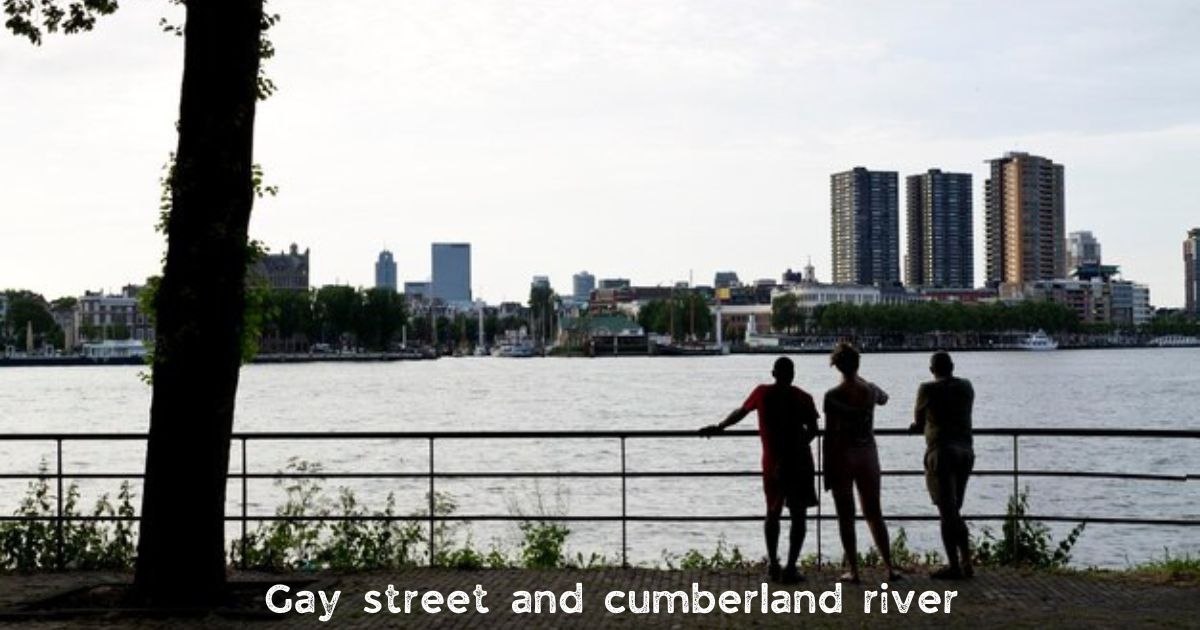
1095	389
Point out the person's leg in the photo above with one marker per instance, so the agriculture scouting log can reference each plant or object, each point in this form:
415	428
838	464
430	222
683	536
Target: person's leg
843	502
868	495
964	534
771	531
775	500
799	529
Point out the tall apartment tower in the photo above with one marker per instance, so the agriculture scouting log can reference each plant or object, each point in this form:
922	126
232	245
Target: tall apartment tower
1026	234
941	233
1082	249
582	285
1191	272
452	273
866	227
385	271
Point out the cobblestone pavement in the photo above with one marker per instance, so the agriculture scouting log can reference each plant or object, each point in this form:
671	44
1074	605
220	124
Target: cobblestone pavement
994	599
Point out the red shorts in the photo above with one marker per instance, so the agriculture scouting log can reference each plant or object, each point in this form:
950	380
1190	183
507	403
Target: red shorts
790	482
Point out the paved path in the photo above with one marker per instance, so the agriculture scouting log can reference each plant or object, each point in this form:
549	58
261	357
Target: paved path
995	599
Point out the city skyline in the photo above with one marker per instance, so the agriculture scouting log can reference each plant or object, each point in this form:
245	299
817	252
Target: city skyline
568	128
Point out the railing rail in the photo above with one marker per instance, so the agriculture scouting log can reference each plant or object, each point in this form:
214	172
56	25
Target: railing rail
623	473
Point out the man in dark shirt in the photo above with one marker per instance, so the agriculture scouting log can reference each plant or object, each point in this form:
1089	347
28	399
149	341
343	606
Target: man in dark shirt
943	414
787	423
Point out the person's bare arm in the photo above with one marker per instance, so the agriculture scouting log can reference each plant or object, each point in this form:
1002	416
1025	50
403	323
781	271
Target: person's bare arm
734	417
881	397
918	425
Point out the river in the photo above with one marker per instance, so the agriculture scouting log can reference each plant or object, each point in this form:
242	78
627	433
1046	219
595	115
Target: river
1136	388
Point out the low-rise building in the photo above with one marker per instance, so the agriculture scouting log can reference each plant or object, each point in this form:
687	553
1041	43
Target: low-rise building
286	271
113	316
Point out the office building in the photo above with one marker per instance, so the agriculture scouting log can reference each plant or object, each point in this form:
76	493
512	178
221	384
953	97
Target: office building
866	227
582	285
1026	236
1082	249
385	271
1191	272
452	273
726	280
414	291
941	233
614	283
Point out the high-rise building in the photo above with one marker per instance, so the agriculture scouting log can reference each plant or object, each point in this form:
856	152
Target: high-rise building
582	285
941	233
540	282
452	272
1082	249
385	271
1191	271
1026	235
866	227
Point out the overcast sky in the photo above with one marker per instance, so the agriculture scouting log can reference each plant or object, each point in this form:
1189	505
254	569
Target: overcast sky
641	138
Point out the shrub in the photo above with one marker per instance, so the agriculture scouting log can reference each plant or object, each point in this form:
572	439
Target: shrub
1024	541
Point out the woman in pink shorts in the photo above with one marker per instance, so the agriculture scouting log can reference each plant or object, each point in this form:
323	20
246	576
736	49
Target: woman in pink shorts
851	459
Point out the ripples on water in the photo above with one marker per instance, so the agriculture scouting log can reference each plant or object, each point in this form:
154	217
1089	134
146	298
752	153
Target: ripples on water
1093	389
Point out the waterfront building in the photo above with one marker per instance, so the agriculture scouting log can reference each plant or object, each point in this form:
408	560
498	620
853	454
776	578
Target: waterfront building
1082	249
726	280
1025	214
614	283
417	291
963	296
582	285
1143	312
112	316
865	220
1090	298
385	271
1191	272
941	235
452	273
285	271
811	295
739	319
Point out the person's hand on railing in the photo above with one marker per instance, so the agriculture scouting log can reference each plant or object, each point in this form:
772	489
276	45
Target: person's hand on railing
711	429
915	428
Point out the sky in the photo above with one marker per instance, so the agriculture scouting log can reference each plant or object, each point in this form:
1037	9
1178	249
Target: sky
655	140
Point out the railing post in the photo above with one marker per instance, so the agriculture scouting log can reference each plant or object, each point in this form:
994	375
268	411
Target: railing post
432	549
624	521
60	561
1016	490
244	499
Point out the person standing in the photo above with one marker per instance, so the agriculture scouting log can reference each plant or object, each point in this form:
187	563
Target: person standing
787	424
852	460
943	414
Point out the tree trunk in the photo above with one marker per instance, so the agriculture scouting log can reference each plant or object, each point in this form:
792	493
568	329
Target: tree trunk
181	549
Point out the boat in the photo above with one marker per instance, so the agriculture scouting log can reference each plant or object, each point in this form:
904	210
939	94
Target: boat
1038	341
1175	341
514	349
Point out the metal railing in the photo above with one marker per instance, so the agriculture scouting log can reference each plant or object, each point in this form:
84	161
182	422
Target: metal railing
623	473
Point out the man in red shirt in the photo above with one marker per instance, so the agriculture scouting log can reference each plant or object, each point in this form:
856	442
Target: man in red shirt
787	424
